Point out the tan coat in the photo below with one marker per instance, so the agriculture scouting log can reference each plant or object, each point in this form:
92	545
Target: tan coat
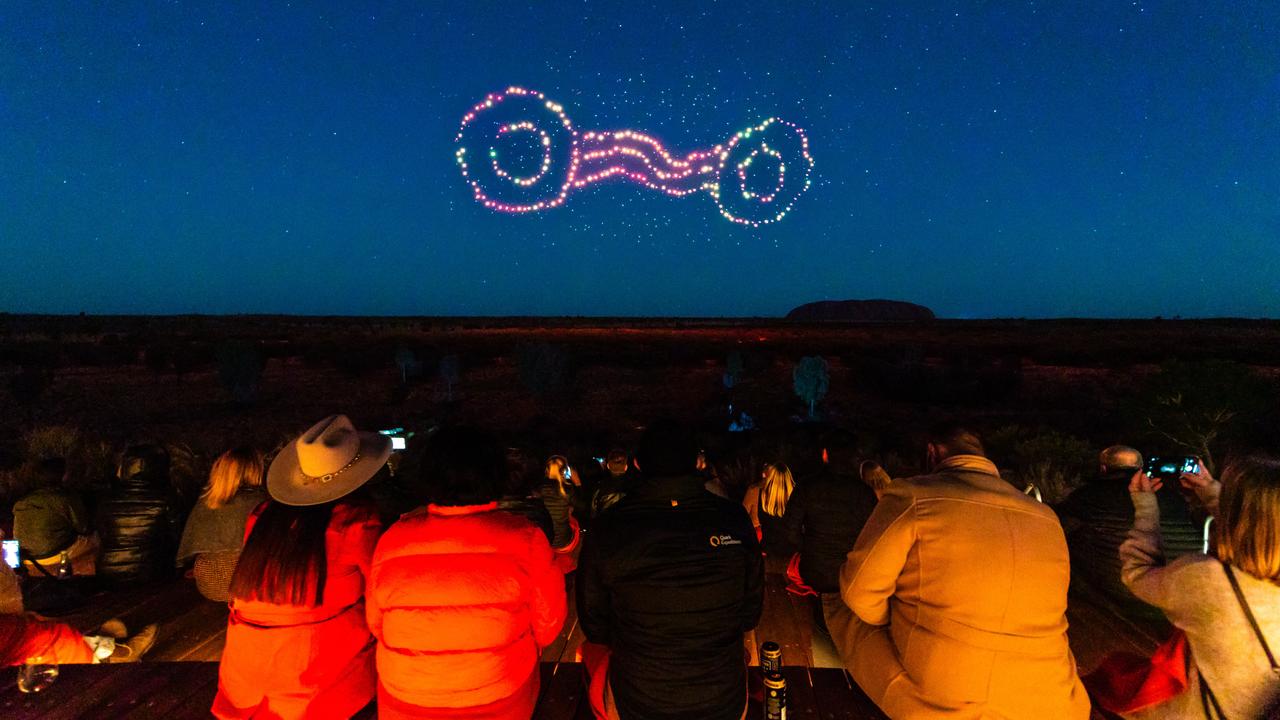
959	587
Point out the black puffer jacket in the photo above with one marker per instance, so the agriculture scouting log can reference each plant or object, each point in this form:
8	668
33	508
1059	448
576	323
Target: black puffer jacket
824	517
139	529
670	578
1097	518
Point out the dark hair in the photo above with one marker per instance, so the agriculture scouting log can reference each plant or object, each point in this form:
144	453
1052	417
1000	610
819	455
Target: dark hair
284	560
667	448
149	462
464	466
956	439
841	446
51	471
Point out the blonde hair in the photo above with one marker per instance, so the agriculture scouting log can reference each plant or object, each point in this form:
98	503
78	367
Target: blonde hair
1247	529
234	469
776	489
555	467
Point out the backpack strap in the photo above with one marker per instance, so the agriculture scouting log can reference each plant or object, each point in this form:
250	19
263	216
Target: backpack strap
1253	622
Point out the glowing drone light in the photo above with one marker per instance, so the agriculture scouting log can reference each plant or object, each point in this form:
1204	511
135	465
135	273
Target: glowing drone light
722	171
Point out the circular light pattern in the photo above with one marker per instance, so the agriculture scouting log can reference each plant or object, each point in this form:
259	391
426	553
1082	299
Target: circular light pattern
745	164
517	110
546	154
572	161
779	139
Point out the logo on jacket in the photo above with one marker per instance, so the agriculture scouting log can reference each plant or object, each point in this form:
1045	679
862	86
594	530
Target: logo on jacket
722	540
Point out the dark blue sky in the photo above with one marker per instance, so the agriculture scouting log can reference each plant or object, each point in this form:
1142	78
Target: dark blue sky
1084	158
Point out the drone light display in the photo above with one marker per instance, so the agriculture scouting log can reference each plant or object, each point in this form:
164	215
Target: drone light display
520	153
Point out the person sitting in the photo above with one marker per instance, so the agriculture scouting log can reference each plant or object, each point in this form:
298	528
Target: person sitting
1228	601
518	498
1097	517
766	505
215	529
559	490
875	477
137	522
297	642
30	638
956	596
666	589
612	487
463	596
51	521
824	516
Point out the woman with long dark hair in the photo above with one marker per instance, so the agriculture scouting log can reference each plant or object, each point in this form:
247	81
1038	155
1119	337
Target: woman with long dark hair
297	642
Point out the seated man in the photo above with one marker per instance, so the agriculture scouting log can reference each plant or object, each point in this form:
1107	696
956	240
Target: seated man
958	591
1098	515
665	590
138	522
51	521
824	516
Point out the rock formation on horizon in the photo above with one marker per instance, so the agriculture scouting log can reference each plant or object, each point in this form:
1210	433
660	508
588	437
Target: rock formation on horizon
860	311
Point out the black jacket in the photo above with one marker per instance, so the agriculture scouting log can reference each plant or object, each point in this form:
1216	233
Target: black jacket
670	578
824	517
139	528
1097	517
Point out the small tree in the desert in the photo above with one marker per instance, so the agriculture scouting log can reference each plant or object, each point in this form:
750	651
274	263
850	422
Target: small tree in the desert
450	370
407	363
1198	407
811	381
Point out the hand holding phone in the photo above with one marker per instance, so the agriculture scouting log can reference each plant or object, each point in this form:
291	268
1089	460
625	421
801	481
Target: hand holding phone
1141	482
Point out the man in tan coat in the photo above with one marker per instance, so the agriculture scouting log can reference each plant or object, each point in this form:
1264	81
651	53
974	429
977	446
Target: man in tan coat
958	591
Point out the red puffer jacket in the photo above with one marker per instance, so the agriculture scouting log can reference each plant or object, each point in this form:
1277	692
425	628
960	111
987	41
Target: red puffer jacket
461	600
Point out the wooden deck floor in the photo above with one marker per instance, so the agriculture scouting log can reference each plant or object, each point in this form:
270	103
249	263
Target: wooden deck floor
193	629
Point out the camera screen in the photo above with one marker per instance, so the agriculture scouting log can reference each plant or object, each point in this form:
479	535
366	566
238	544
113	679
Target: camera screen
11	553
399	443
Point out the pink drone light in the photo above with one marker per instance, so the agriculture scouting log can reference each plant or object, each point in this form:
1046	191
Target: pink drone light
722	171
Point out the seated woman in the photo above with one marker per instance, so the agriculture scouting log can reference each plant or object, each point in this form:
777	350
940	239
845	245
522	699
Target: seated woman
1227	602
766	503
463	596
297	642
559	490
51	522
215	530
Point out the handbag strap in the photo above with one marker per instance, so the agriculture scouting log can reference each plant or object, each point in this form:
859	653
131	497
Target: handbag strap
1253	622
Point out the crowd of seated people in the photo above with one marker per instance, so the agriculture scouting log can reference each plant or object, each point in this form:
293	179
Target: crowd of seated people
945	594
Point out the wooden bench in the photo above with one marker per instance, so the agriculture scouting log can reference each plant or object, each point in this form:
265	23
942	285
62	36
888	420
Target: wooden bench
185	690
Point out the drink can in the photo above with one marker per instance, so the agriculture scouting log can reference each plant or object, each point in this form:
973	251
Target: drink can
770	657
775	696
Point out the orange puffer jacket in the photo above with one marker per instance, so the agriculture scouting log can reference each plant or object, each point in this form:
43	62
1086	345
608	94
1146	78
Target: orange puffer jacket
461	601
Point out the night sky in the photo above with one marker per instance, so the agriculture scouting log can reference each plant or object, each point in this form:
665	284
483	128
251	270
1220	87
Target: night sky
986	159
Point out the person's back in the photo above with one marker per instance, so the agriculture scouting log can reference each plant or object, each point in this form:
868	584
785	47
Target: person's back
824	516
1097	518
1229	636
48	521
675	580
462	600
462	596
136	522
971	578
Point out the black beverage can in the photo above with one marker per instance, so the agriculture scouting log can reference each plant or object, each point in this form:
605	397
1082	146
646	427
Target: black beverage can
770	657
775	696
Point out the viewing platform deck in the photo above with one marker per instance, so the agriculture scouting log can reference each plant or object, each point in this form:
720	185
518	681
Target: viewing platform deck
178	678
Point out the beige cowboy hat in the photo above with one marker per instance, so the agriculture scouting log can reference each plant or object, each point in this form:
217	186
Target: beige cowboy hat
326	462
